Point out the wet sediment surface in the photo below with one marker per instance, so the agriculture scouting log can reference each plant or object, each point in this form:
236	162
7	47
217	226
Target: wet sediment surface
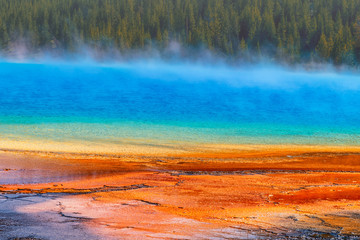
235	195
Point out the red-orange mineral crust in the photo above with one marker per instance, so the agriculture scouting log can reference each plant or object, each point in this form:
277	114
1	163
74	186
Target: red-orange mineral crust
224	191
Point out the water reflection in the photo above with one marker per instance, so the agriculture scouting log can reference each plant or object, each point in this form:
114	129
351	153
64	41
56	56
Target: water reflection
23	169
34	176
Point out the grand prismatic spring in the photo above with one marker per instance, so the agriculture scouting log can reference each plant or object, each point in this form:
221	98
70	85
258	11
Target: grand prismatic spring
156	150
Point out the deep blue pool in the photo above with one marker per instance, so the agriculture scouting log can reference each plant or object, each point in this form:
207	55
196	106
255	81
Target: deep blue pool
178	102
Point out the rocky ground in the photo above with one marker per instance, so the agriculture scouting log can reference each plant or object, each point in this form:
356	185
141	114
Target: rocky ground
261	193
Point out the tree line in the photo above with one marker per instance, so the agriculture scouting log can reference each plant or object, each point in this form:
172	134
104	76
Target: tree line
291	30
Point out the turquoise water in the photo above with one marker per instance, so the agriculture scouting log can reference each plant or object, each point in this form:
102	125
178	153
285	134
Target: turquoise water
148	102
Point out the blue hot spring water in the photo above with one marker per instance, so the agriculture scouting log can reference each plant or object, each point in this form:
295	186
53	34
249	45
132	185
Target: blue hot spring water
154	101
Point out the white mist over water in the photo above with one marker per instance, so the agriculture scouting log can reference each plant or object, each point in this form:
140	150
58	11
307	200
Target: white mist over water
237	75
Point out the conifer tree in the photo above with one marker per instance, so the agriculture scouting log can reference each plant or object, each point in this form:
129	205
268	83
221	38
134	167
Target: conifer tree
291	29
